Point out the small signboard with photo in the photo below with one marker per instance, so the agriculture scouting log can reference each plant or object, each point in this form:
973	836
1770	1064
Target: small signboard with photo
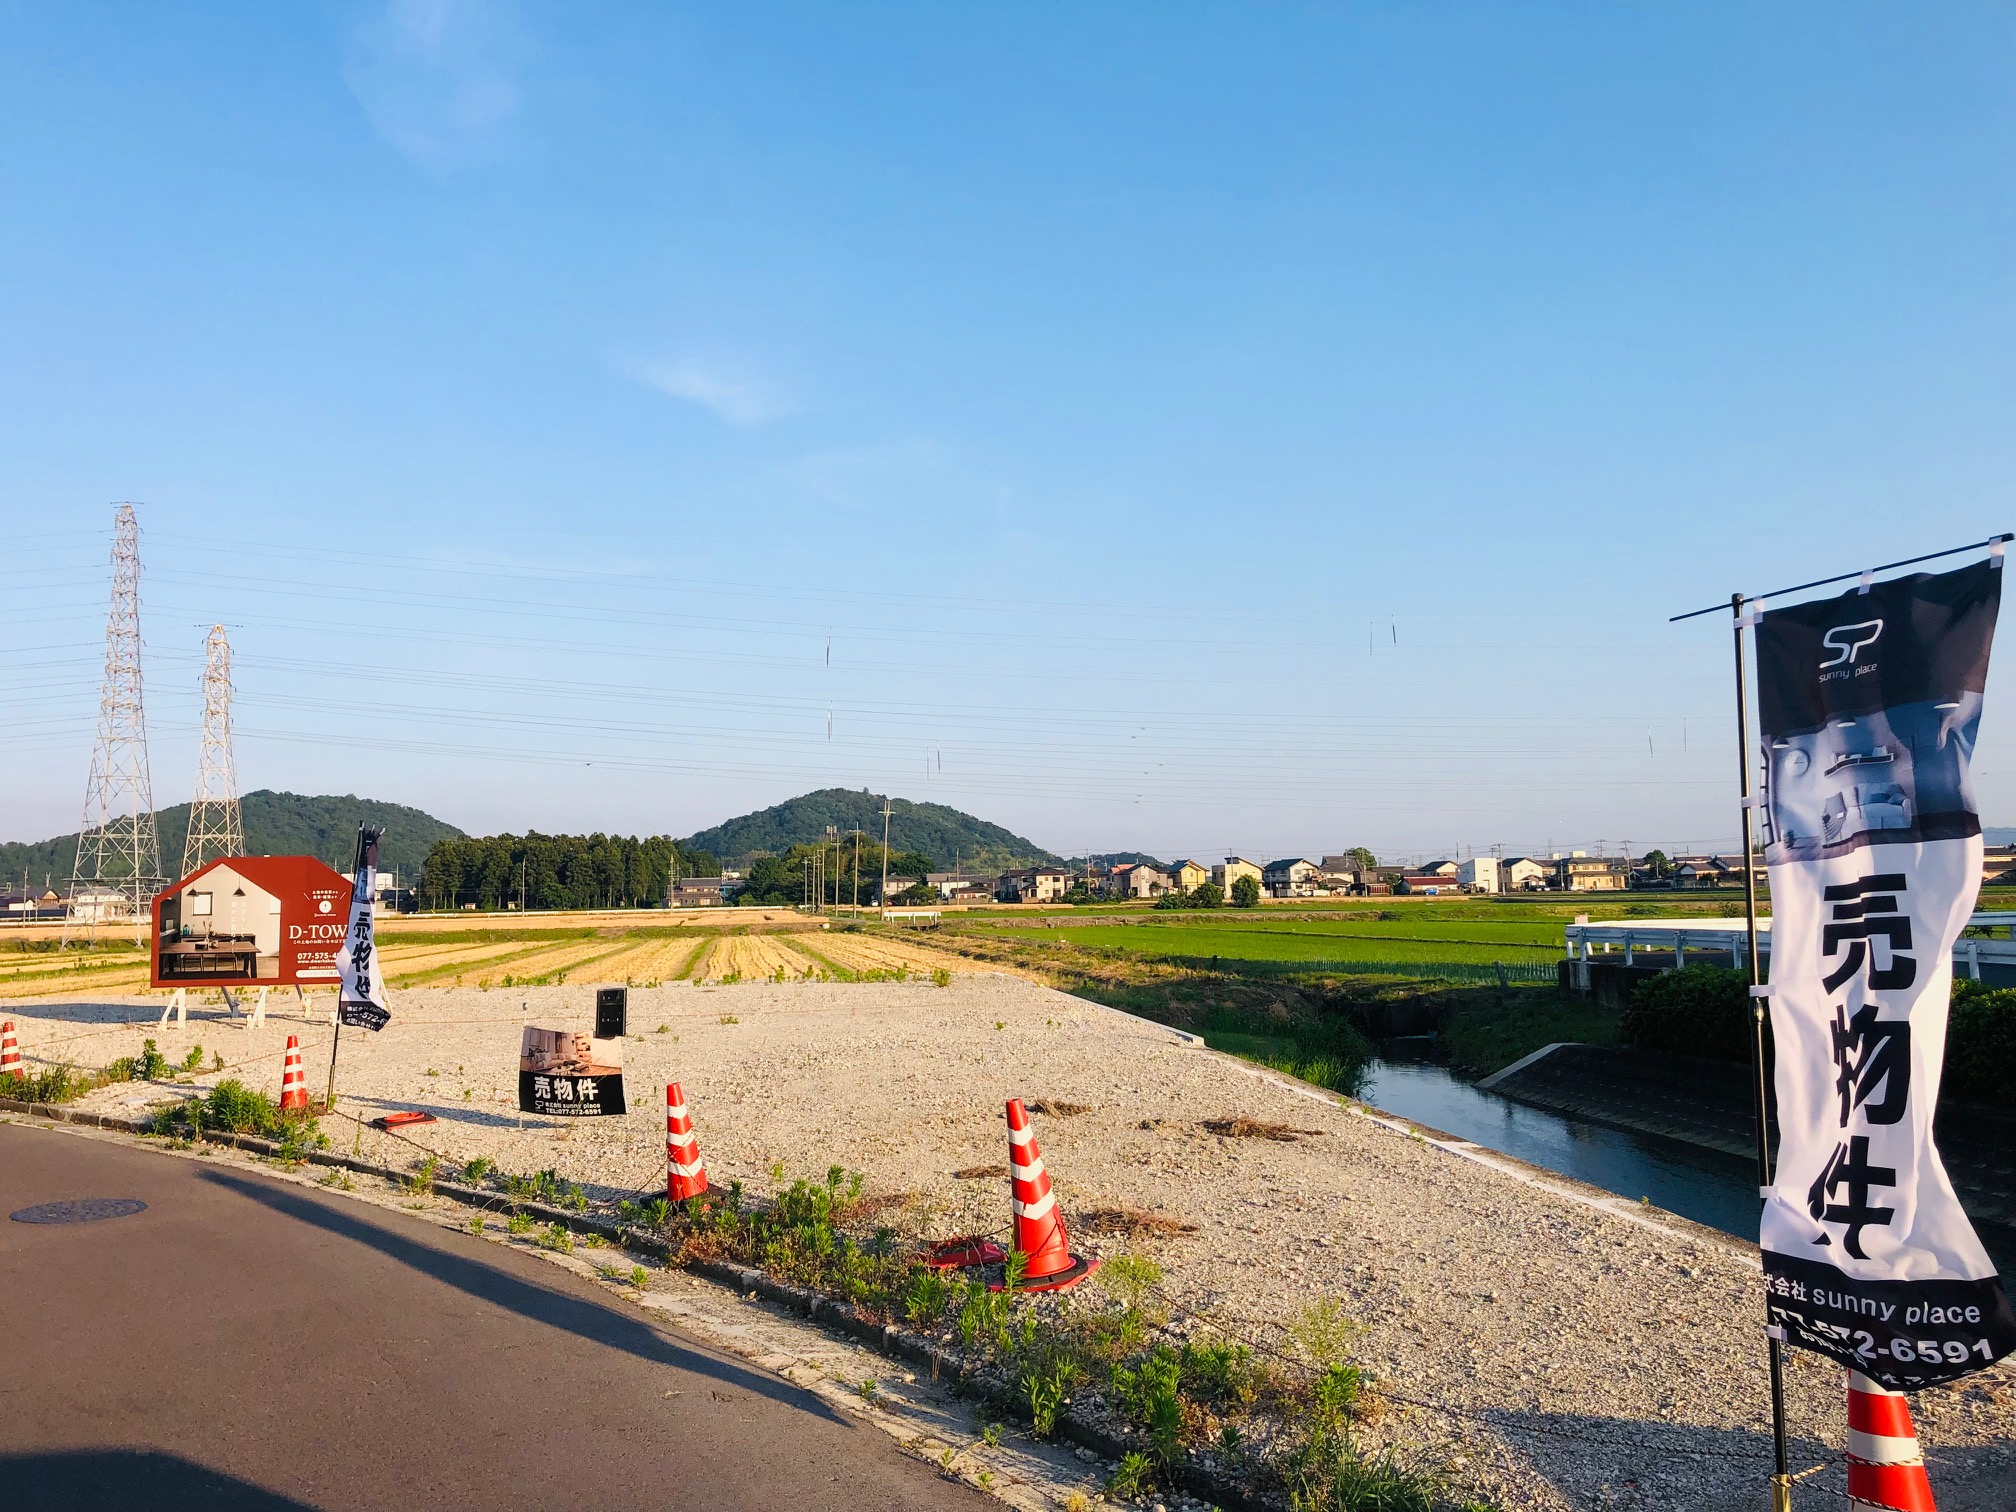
567	1074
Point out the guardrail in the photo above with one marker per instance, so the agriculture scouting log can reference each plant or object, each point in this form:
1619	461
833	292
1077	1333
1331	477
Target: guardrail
1978	956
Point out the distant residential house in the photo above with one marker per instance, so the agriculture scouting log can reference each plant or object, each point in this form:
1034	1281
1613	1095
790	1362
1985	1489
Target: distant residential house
1524	874
1428	884
32	902
100	905
1233	869
1188	876
1582	873
1437	869
1711	871
1137	879
1479	874
1033	884
1293	877
949	884
698	892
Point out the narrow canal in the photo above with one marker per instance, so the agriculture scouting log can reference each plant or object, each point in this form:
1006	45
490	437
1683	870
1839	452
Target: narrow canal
1709	1186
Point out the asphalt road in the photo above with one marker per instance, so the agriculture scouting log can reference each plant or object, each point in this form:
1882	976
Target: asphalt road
245	1345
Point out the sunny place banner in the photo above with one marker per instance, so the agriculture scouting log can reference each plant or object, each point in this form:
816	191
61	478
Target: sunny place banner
564	1073
1870	704
360	997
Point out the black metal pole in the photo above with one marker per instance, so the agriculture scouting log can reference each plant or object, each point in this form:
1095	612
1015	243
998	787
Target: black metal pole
1781	1480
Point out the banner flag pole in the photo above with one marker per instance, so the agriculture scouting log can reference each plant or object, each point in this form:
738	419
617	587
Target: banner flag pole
360	992
1781	1478
1868	711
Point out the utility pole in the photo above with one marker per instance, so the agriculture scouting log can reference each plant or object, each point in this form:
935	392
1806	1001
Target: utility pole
857	872
214	826
884	894
117	843
521	884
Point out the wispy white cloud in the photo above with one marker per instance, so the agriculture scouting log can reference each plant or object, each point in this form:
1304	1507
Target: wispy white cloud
736	397
438	79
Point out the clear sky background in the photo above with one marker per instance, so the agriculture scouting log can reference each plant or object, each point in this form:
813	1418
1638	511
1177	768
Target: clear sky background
1196	428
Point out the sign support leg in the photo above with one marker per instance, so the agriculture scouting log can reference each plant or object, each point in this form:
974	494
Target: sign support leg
1781	1479
335	1039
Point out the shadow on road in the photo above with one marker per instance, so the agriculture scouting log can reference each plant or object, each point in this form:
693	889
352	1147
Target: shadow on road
118	1480
593	1321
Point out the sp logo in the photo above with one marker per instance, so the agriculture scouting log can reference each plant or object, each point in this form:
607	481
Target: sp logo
1848	640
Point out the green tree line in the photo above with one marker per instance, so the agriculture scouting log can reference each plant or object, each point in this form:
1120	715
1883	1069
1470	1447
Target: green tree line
557	871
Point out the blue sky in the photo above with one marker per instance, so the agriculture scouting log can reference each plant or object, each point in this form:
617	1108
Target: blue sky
1197	429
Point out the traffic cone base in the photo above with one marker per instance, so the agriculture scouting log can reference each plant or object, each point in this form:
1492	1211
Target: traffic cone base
1039	1229
685	1172
1080	1267
1886	1468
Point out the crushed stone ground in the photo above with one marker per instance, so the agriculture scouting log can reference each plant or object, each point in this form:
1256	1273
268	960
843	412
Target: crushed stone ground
1566	1355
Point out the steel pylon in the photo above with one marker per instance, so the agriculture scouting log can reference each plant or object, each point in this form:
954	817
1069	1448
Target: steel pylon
118	868
214	826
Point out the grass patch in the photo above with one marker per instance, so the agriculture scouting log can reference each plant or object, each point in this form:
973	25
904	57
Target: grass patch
1096	1346
1313	1058
1490	1035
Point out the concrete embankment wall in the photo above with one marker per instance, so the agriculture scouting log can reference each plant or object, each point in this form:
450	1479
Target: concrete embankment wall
1708	1103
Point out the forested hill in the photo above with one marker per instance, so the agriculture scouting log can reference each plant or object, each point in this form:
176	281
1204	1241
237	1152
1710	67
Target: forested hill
944	834
276	824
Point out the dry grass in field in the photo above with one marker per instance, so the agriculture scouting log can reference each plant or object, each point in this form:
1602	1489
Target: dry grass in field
712	963
1243	1127
444	969
53	975
860	952
1131	1223
757	957
646	961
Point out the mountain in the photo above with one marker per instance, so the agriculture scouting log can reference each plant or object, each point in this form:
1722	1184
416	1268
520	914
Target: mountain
276	824
944	834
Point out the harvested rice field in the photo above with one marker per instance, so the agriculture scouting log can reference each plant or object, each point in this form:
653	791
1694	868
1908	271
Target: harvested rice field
640	955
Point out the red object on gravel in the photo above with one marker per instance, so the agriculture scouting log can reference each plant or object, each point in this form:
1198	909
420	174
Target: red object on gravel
401	1120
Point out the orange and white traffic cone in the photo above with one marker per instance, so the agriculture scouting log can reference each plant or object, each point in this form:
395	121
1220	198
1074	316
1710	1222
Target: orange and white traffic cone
1886	1468
10	1053
293	1080
1039	1230
685	1174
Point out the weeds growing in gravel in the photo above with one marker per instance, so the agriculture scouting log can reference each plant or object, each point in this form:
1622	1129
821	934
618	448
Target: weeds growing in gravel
1097	1347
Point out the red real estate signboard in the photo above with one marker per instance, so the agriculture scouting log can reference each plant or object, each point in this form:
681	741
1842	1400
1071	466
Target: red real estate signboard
251	921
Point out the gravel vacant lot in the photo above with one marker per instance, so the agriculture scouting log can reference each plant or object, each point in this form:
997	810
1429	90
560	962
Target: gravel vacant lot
1571	1354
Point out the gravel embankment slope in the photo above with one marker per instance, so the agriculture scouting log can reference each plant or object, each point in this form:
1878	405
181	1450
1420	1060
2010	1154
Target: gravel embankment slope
1615	1356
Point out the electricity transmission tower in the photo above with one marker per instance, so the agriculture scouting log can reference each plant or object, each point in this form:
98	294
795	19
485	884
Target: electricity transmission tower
214	828
118	853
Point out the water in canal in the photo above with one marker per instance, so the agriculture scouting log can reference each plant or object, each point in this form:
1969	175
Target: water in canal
1706	1185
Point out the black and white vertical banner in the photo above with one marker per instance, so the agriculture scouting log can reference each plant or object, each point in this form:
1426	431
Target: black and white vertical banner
360	998
1870	704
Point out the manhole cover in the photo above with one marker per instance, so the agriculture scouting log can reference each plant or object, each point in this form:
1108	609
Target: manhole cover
79	1210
